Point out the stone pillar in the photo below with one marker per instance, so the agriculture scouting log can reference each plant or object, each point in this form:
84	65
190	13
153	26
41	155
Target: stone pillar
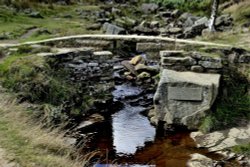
184	98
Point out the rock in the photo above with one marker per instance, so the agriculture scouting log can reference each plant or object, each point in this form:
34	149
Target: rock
202	21
185	61
144	28
149	7
116	11
35	15
166	14
171	53
96	26
245	58
144	75
93	65
197	68
154	24
223	20
103	53
129	66
184	98
175	30
198	160
113	29
138	59
194	30
118	67
175	13
188	23
93	119
4	36
185	16
220	140
211	64
129	77
150	69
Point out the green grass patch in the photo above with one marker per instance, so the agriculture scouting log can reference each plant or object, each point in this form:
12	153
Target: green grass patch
233	104
240	11
17	24
242	149
27	143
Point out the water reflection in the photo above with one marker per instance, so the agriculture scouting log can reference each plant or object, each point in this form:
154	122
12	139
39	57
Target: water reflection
131	130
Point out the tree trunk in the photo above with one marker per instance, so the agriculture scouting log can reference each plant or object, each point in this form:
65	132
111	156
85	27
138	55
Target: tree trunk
213	16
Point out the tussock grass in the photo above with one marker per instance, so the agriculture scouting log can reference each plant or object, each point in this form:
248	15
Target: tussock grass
29	144
240	11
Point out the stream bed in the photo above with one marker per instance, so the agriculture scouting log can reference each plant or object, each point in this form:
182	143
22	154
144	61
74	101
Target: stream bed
127	139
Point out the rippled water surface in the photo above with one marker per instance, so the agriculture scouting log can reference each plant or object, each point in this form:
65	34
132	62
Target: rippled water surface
127	139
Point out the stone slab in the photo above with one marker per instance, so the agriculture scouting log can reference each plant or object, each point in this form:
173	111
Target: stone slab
185	94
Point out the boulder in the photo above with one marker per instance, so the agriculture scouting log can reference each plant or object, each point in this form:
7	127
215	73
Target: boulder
184	98
150	69
195	30
113	29
144	28
220	140
202	21
129	67
138	59
149	7
144	75
223	20
198	160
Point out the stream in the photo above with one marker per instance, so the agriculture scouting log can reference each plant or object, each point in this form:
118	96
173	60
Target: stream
127	139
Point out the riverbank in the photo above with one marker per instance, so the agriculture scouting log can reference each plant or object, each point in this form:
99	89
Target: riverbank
28	143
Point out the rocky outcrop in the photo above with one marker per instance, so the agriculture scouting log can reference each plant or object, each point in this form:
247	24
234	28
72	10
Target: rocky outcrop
184	98
198	160
154	19
220	140
113	29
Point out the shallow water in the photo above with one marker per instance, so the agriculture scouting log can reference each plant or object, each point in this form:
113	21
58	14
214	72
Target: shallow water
127	139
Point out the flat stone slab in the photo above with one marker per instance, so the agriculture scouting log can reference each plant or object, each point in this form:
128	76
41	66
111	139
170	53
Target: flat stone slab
172	53
184	98
220	140
102	53
186	94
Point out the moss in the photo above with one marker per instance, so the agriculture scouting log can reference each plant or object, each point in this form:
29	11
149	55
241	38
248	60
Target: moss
233	103
242	149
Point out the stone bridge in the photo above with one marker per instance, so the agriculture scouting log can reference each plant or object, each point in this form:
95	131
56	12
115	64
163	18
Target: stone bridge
189	81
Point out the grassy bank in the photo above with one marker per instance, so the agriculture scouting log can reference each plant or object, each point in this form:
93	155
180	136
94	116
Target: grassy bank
232	105
27	142
60	20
